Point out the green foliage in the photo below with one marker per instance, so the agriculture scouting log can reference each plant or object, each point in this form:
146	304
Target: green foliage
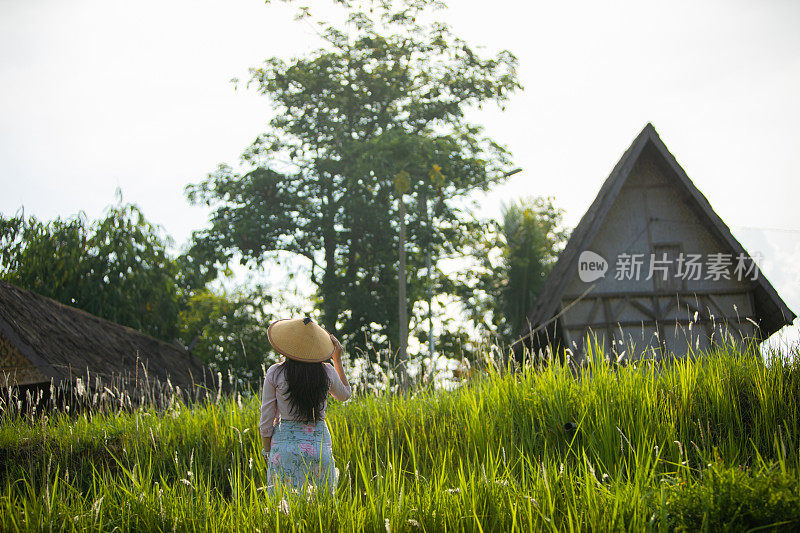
736	499
533	237
116	268
385	97
49	258
657	448
134	273
515	256
229	333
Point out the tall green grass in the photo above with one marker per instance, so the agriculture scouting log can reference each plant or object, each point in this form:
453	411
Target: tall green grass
695	445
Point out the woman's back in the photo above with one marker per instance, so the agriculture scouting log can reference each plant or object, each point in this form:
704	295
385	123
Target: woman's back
276	402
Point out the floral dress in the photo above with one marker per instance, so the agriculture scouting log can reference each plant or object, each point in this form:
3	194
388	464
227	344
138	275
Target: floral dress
301	456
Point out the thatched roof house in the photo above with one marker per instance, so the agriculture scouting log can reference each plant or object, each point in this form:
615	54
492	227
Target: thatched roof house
43	340
652	267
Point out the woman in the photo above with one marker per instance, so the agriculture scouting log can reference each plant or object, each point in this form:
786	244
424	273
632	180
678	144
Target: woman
297	443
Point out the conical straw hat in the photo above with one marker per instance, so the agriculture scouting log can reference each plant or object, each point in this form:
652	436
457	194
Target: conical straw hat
300	339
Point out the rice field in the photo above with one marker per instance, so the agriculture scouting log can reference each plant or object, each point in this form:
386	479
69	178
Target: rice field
709	444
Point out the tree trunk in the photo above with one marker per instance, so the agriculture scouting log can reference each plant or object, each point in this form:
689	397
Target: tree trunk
329	288
402	310
429	267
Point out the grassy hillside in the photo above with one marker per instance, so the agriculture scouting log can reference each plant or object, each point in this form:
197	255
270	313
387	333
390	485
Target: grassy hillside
711	444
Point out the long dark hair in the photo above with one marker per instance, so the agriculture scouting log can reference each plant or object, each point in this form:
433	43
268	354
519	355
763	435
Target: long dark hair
308	386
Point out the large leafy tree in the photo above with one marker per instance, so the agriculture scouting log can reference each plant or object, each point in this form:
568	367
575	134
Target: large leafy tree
383	100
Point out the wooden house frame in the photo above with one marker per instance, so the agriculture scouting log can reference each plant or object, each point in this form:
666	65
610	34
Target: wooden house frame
649	207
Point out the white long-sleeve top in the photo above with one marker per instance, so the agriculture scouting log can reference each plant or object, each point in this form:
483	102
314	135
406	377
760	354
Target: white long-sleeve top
275	402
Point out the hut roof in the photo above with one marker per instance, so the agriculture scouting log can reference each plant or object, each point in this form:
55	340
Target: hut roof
769	307
63	342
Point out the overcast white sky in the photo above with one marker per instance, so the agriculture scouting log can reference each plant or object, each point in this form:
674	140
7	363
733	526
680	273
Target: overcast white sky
100	94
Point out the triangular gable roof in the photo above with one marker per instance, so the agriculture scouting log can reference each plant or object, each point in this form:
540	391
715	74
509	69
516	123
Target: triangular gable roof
62	342
770	308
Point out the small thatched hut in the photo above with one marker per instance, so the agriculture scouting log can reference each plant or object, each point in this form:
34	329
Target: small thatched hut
651	268
43	341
